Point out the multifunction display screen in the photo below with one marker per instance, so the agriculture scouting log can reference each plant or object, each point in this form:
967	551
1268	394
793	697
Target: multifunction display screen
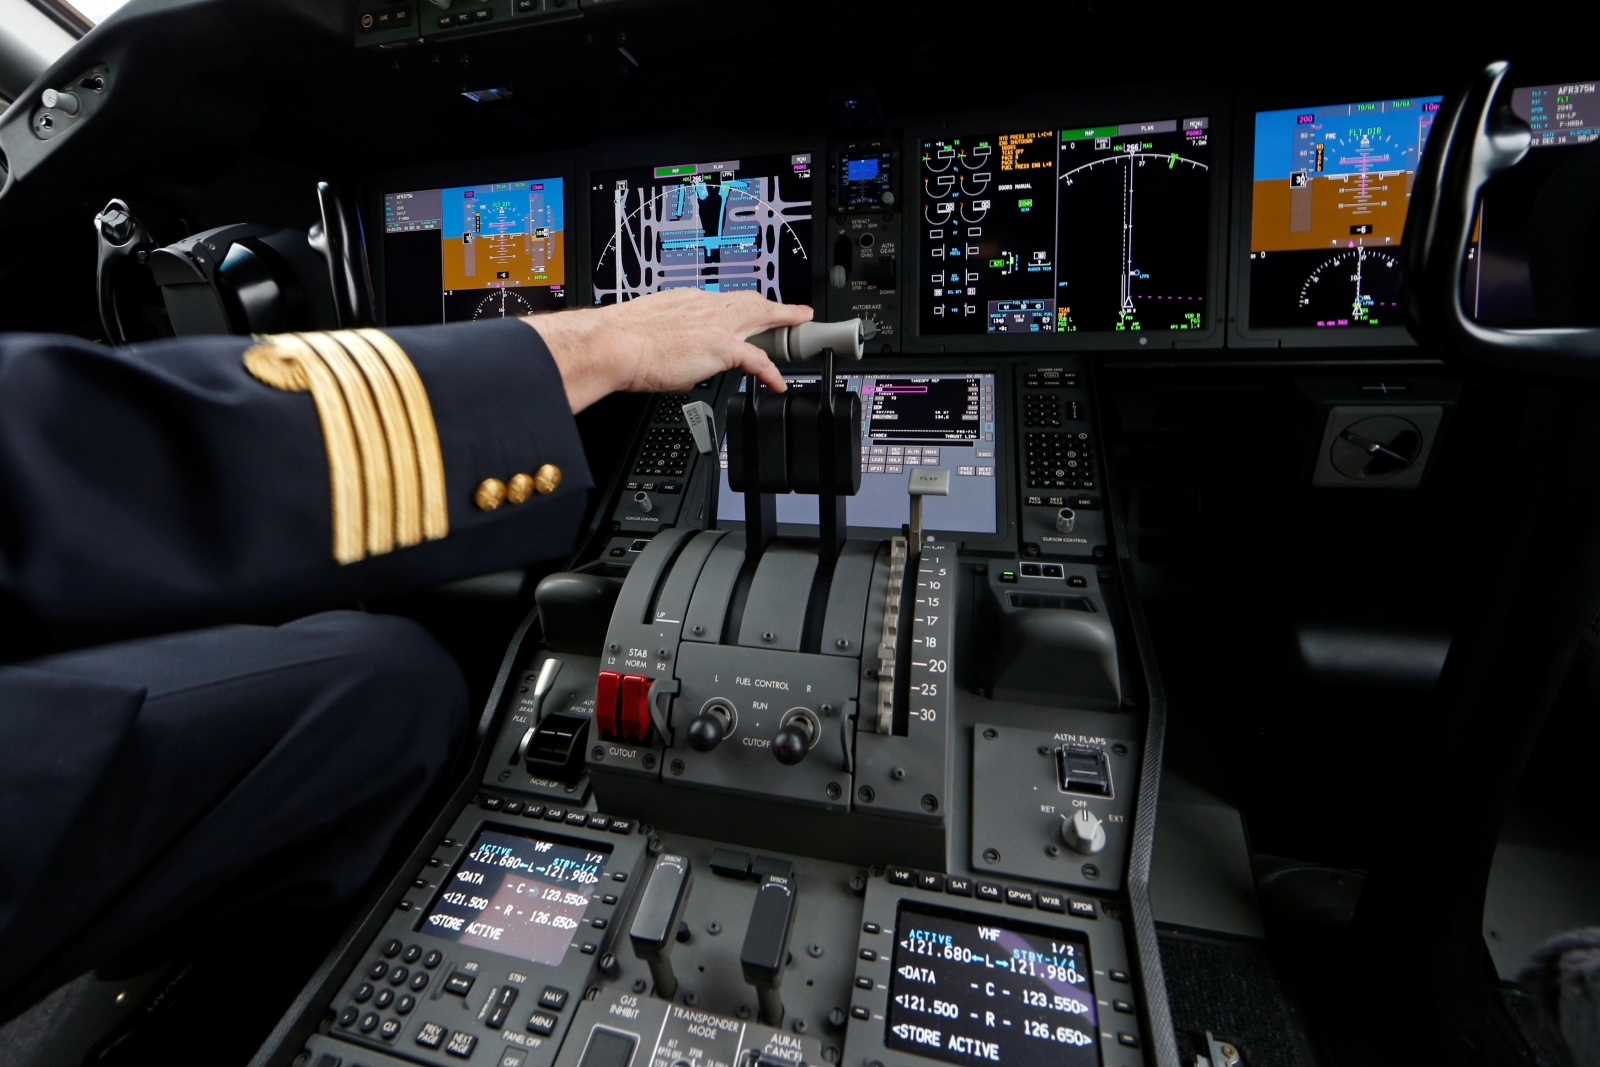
1328	203
909	420
970	989
725	225
474	251
1097	228
519	894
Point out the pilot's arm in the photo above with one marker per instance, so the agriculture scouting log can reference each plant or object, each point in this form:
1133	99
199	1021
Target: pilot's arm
175	483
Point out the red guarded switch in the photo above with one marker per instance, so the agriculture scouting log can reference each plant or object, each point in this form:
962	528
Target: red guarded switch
605	704
635	716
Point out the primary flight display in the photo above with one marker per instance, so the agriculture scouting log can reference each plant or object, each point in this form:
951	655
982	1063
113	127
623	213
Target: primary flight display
1096	228
1328	203
474	251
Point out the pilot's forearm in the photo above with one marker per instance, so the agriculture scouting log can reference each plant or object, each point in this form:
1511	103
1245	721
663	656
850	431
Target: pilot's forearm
167	485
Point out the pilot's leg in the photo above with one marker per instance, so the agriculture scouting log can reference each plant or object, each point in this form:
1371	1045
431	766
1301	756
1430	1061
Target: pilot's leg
265	764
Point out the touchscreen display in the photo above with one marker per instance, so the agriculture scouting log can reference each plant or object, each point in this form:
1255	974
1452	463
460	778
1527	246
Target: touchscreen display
723	225
909	420
1054	231
973	989
474	252
519	894
1327	205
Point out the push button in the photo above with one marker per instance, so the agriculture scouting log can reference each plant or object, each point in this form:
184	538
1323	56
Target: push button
419	981
990	891
369	1022
1019	897
1081	909
1122	1006
384	998
431	1035
1049	901
461	1044
553	998
502	1007
863	982
349	1016
398	976
391	948
363	993
960	887
902	876
860	1012
542	1024
405	1004
378	969
433	959
459	984
933	883
390	1029
413	954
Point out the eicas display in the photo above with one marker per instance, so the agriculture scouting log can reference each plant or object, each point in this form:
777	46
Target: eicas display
518	894
1060	230
971	989
474	252
1327	206
727	225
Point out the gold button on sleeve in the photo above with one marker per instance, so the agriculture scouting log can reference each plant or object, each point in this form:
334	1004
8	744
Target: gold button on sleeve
546	478
519	488
491	494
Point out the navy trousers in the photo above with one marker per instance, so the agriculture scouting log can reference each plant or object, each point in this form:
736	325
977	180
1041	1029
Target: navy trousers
171	784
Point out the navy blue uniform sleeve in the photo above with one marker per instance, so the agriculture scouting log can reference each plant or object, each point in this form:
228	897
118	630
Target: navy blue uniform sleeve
162	486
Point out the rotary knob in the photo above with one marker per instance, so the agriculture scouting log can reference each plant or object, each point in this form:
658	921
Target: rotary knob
1083	832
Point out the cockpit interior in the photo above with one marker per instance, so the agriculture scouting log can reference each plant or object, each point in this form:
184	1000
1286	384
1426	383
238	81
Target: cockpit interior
1167	591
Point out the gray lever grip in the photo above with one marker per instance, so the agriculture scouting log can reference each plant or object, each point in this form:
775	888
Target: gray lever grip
788	344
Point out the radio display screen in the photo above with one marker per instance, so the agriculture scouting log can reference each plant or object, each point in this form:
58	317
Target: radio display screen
944	421
974	989
474	252
519	894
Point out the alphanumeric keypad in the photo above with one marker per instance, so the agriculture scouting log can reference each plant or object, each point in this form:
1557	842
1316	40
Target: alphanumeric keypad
665	453
669	408
1060	461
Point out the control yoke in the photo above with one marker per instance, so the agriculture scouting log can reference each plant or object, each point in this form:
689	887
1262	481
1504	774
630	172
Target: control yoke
797	442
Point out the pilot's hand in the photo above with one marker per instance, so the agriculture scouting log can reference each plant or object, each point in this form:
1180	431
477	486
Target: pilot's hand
664	342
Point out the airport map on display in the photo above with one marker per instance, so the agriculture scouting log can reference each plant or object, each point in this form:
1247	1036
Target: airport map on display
723	225
1328	203
1060	230
476	252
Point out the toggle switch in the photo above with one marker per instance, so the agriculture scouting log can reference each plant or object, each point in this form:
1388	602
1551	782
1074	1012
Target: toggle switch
714	723
655	923
607	695
633	717
61	101
766	944
797	734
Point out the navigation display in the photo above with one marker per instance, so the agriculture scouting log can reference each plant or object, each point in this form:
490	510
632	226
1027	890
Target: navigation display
910	420
971	989
1328	203
724	225
1097	228
519	894
474	252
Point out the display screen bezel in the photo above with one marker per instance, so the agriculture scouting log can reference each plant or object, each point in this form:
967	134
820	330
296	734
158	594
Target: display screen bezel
450	175
530	833
644	152
1240	335
1004	922
1125	104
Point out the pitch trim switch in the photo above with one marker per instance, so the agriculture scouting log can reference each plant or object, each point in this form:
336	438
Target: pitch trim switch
541	689
655	924
766	944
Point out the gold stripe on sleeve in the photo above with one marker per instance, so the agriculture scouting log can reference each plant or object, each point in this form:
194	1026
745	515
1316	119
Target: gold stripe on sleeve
377	481
430	457
396	432
287	362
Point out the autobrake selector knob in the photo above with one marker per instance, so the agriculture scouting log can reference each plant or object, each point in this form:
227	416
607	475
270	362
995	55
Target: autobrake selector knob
1083	832
708	728
797	733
